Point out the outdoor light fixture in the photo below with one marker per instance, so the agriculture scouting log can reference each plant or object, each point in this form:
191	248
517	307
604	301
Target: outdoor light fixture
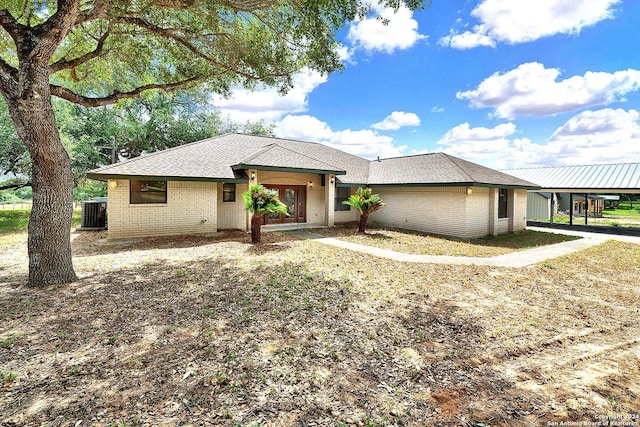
469	191
310	184
253	176
113	184
332	180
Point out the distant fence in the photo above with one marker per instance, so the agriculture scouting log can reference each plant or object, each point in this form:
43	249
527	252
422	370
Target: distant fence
26	205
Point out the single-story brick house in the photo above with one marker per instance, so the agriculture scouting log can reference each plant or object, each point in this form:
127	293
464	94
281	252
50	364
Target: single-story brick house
196	188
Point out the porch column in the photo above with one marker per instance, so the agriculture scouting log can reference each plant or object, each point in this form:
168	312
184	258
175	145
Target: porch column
493	211
330	199
252	174
511	209
570	208
586	210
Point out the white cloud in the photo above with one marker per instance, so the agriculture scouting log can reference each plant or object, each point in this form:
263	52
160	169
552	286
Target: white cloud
466	40
514	22
364	143
532	89
482	145
396	120
266	103
602	136
372	34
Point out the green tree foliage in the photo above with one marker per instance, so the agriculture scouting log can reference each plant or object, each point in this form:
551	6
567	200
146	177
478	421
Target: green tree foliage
14	158
98	52
99	136
261	201
366	203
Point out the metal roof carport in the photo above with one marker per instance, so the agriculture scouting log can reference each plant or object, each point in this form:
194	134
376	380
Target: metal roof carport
584	179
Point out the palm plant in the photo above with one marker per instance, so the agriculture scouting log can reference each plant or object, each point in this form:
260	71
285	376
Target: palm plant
261	201
366	203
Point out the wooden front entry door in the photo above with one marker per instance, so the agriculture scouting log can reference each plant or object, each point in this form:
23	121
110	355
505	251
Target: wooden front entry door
294	197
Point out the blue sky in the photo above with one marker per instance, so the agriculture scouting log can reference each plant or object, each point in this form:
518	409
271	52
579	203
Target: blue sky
502	83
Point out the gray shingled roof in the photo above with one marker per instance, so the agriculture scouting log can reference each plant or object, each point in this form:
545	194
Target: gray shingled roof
619	177
215	157
220	158
438	169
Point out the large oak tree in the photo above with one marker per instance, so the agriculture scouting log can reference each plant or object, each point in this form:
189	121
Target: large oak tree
96	52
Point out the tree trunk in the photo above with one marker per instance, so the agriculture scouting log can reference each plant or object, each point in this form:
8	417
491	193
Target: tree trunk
49	245
256	224
362	224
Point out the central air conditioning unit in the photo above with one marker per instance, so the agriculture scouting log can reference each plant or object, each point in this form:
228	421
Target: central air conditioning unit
94	215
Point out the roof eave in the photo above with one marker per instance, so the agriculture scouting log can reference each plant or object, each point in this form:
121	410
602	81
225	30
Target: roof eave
454	184
245	166
105	177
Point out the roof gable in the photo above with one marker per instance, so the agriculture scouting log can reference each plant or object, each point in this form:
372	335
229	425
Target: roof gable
274	156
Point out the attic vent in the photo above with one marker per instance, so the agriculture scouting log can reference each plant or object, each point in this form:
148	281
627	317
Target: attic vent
94	216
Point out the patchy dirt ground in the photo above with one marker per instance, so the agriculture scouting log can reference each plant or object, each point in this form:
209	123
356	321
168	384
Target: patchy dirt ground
215	331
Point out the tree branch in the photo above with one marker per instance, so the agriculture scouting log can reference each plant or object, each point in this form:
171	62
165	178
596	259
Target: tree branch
170	34
96	12
8	78
10	25
13	185
248	5
69	95
7	70
64	64
59	24
41	41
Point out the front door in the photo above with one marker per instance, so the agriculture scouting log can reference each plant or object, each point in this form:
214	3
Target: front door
294	197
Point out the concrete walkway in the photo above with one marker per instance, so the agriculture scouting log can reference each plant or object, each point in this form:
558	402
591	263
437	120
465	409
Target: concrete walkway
515	259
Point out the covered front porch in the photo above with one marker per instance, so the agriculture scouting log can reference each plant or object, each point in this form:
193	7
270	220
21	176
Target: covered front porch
308	194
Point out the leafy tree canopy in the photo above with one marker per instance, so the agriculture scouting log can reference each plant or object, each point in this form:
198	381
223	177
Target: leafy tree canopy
118	48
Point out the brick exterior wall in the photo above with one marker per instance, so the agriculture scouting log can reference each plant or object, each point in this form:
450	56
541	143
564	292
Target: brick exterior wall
449	211
519	210
430	210
232	215
188	204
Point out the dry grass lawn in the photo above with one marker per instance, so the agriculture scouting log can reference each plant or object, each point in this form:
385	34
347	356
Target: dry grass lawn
424	244
215	331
